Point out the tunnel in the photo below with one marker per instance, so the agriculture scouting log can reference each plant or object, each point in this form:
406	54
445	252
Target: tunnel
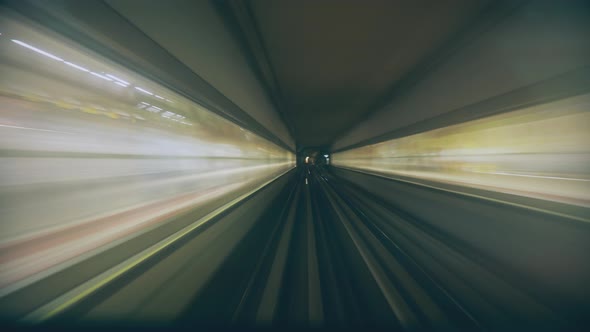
295	164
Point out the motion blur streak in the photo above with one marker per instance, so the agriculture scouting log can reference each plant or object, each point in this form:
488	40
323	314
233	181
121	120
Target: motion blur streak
540	152
405	165
90	156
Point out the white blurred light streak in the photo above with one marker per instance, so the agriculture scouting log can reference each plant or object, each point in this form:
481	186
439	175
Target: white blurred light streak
101	76
37	129
144	91
118	79
76	66
49	55
536	176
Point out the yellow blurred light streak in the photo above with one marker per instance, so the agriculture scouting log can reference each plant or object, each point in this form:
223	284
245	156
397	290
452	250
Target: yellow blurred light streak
519	151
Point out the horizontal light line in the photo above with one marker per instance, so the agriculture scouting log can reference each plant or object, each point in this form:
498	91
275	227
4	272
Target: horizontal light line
101	76
121	84
144	91
37	50
118	79
76	66
152	109
159	97
535	176
37	129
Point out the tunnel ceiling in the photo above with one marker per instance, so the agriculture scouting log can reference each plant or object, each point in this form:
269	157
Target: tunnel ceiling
324	66
330	63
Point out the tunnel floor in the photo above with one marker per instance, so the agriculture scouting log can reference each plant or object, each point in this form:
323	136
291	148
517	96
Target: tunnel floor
322	247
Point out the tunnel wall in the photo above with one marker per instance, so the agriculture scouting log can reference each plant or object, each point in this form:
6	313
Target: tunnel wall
93	153
207	69
537	52
540	151
209	50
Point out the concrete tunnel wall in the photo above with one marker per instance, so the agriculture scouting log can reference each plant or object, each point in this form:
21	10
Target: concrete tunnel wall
541	42
205	64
